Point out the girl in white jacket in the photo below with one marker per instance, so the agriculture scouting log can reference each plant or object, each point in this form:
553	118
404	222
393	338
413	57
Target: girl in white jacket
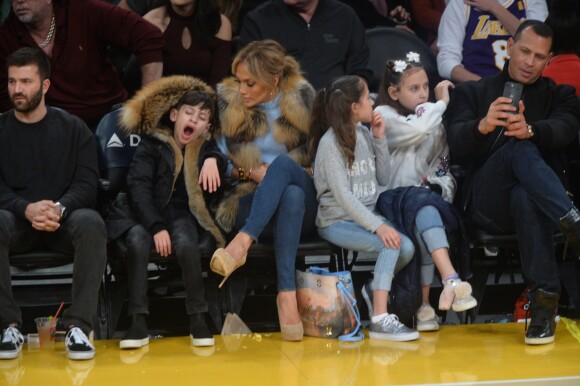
420	157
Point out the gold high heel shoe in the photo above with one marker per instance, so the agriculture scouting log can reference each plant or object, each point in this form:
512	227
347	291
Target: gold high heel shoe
290	332
224	264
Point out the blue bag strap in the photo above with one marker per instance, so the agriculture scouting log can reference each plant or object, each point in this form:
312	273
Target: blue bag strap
356	335
325	272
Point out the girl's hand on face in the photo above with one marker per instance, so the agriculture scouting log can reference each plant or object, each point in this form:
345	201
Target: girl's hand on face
389	236
377	125
209	176
442	91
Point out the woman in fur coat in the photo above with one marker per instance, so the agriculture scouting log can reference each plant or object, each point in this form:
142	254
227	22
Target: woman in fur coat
164	208
265	116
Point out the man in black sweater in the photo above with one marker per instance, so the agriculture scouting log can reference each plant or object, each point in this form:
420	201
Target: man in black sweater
325	36
48	183
517	169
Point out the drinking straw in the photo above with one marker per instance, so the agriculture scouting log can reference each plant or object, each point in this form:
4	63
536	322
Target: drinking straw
58	311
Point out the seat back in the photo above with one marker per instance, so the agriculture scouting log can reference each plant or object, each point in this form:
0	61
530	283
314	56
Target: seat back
392	43
115	150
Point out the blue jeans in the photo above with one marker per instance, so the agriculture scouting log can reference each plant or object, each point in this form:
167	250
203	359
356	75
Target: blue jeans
285	200
184	232
81	234
430	233
350	235
516	191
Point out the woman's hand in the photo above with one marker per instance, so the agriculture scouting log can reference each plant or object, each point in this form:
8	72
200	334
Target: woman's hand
257	174
377	125
389	236
162	243
442	91
209	176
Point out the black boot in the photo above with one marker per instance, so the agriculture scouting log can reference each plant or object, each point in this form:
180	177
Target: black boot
571	225
544	307
138	334
199	332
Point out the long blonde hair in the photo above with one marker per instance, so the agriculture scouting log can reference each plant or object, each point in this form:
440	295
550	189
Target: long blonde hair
266	59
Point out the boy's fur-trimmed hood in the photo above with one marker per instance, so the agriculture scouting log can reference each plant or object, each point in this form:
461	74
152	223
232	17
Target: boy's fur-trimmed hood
142	114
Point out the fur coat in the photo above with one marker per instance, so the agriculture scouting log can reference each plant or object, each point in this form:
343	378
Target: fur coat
143	115
240	126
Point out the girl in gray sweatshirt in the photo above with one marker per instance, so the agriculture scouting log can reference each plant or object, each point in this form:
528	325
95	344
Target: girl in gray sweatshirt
351	167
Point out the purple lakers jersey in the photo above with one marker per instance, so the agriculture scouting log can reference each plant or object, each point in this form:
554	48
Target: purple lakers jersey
485	43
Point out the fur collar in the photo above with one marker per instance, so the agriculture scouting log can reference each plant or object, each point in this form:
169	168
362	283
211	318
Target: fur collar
240	125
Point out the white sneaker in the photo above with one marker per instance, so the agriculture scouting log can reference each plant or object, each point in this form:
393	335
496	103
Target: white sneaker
78	346
11	344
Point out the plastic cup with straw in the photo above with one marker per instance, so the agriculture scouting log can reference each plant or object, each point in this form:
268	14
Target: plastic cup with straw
46	327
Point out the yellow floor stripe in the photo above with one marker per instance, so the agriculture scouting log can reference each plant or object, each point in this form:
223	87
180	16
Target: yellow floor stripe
572	328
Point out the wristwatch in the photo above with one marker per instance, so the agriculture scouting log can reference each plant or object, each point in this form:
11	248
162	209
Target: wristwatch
62	209
530	130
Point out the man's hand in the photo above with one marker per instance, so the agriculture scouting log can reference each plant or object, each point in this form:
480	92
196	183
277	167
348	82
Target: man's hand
497	115
43	215
209	176
517	126
162	243
389	236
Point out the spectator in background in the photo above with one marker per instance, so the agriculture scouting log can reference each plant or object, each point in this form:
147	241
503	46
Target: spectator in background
48	185
427	14
75	36
197	39
230	8
473	35
382	13
324	36
565	64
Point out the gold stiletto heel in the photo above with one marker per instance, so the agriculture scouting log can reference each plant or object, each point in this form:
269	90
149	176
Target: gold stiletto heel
224	264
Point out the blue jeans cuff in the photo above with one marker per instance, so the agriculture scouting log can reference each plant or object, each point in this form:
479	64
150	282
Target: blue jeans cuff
434	239
382	281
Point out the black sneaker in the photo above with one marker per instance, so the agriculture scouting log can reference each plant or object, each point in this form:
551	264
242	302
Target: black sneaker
78	345
199	332
367	294
137	335
11	344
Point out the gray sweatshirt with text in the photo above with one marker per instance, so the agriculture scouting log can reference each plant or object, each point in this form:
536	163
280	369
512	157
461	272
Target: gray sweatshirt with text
351	194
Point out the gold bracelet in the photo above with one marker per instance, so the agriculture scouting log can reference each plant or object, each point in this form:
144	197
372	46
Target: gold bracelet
242	174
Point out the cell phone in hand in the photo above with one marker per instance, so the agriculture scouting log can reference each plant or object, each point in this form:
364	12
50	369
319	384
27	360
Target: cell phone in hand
513	90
